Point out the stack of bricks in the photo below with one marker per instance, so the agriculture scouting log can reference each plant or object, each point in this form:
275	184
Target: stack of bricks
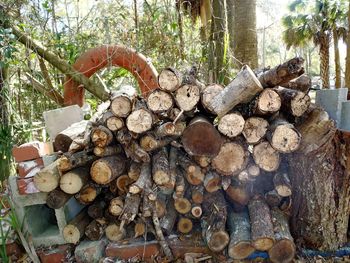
31	158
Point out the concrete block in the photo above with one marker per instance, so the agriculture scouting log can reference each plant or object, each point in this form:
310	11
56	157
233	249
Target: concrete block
43	223
331	100
49	159
59	119
90	251
31	151
345	116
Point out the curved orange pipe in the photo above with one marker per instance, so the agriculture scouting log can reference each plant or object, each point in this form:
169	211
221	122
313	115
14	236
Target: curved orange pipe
97	58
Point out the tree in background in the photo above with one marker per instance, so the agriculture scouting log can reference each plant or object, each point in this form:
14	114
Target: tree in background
312	20
347	73
244	39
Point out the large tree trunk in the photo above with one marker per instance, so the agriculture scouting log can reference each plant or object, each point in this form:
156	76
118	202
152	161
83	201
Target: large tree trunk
217	54
245	37
320	184
336	60
324	61
347	73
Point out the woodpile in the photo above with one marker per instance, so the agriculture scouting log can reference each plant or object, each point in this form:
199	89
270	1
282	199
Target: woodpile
188	157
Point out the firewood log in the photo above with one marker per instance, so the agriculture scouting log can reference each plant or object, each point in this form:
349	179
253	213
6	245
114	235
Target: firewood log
64	139
116	206
213	221
149	142
184	225
88	194
168	188
241	90
132	149
48	178
140	119
261	224
284	248
208	94
282	184
253	170
182	205
255	129
180	184
231	159
121	102
201	138
112	122
107	151
96	210
272	198
240	245
212	181
72	181
175	114
283	73
131	208
82	141
134	171
294	102
101	136
144	178
266	157
169	79
114	232
159	101
237	192
160	167
139	228
283	136
160	204
187	97
106	169
121	184
231	125
193	172
57	199
96	229
197	193
267	102
302	83
203	161
75	229
196	211
69	161
167	222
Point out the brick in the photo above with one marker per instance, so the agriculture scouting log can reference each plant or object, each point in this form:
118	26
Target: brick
30	168
14	251
58	254
31	151
26	186
90	251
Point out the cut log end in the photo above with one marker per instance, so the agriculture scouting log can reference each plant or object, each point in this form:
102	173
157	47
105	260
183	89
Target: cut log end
139	121
45	182
101	136
71	234
101	173
208	94
121	106
159	101
231	159
187	97
286	138
196	211
266	157
231	124
255	129
114	123
263	243
116	206
269	101
300	103
241	250
169	80
184	225
282	252
115	233
182	205
88	194
218	241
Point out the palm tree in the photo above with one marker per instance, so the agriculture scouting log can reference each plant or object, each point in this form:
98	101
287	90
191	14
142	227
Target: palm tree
347	73
312	20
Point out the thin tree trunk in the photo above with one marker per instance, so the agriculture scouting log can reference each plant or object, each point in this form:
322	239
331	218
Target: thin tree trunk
324	61
347	73
180	24
336	60
245	37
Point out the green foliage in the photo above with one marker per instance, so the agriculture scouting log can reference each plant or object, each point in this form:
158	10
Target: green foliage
5	151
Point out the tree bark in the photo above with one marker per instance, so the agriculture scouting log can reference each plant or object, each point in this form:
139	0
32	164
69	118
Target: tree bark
302	83
324	59
245	35
75	229
336	60
70	161
96	229
347	61
65	138
107	151
96	210
106	169
160	167
320	207
57	199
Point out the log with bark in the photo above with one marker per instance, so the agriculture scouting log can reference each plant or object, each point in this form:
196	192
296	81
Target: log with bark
106	169
48	178
57	199
121	101
169	79
302	83
72	181
65	138
75	229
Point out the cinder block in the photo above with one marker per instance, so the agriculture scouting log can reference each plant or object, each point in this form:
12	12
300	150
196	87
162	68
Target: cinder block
331	100
31	151
345	116
30	168
43	223
59	119
90	251
57	254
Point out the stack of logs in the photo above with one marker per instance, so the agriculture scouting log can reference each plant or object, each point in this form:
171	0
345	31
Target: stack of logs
188	157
